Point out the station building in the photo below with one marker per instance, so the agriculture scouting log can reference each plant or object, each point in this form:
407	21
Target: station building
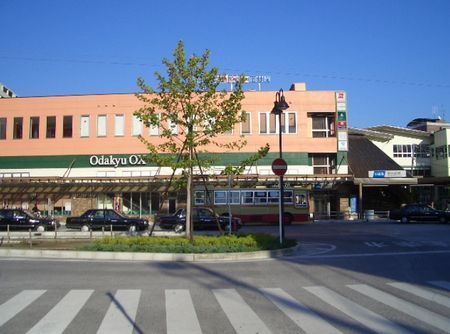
71	153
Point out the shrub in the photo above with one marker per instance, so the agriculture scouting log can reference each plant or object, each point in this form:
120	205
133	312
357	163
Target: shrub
201	244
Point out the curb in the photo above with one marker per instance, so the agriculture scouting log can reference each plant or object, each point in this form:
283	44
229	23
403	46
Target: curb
136	256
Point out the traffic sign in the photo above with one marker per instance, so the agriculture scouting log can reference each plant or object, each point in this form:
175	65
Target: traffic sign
279	167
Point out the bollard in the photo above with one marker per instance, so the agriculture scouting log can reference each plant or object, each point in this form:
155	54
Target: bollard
56	233
7	233
90	233
103	231
29	234
110	226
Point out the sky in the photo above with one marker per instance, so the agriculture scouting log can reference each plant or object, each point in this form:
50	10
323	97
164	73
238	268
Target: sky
392	57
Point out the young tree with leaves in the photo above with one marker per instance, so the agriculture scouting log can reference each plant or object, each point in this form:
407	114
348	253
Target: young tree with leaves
192	114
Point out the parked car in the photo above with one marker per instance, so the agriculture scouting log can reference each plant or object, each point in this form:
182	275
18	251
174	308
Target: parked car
203	218
419	212
98	218
19	219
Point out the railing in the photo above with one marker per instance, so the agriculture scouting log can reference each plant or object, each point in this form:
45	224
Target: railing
18	233
345	215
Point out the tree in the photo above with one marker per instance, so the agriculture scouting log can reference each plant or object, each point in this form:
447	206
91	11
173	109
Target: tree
192	114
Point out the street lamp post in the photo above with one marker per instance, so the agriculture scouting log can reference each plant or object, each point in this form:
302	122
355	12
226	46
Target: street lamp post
279	106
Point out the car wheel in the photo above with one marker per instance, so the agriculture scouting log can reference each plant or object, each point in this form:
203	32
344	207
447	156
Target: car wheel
178	228
84	228
132	228
40	228
404	220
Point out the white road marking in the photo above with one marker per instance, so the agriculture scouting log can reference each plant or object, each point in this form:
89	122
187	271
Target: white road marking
17	303
181	317
121	313
403	306
369	319
63	313
241	316
423	293
306	319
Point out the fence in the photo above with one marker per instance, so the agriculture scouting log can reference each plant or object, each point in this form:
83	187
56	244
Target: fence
345	215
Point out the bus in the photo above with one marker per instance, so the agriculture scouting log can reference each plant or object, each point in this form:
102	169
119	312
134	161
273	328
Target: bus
256	205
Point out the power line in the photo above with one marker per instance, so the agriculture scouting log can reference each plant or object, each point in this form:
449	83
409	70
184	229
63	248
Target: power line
272	73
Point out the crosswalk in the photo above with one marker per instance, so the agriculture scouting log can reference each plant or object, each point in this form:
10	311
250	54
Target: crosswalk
390	307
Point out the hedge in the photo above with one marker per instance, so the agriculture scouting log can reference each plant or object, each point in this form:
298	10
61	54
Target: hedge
201	244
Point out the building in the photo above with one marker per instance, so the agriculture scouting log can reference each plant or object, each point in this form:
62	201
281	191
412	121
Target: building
70	153
5	92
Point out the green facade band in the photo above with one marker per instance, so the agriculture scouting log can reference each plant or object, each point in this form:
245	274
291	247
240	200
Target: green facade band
136	160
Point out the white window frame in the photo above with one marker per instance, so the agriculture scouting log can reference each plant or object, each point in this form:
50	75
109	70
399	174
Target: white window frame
119	125
172	126
137	126
85	124
249	119
102	124
154	130
285	129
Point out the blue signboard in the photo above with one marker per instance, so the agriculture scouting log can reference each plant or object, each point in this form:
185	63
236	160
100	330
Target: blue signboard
379	174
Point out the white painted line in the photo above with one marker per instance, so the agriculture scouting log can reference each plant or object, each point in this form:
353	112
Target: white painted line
420	292
241	316
369	319
17	303
420	313
180	313
63	313
307	320
441	284
338	256
121	313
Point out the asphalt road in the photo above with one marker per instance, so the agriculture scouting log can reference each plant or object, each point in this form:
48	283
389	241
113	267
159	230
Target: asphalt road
346	278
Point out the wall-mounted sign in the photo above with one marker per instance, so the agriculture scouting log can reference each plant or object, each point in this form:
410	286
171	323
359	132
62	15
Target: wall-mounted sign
342	145
380	174
111	161
341	97
341	116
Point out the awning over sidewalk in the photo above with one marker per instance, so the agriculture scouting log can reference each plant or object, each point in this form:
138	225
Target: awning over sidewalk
385	181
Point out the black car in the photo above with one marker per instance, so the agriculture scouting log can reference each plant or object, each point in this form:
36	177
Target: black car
419	212
19	219
107	218
203	218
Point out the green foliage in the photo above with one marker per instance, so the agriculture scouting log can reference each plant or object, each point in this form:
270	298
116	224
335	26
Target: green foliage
187	98
200	244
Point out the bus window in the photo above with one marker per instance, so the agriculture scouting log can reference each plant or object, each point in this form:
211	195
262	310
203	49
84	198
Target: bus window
247	197
260	197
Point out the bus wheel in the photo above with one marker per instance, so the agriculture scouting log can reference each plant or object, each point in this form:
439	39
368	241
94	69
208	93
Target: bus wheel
288	218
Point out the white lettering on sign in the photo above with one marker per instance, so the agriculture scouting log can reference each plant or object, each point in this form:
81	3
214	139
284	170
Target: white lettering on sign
115	162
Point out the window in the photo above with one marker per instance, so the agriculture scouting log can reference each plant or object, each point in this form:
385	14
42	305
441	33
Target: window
34	127
51	127
323	163
421	150
246	126
247	197
154	130
220	197
101	126
137	126
67	127
172	126
323	126
260	197
3	128
199	197
18	128
84	126
119	124
268	123
402	151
